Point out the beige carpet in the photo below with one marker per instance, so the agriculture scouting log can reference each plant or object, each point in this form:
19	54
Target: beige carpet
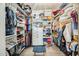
50	51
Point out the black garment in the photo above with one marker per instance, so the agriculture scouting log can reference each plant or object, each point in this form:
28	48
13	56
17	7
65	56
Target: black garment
9	21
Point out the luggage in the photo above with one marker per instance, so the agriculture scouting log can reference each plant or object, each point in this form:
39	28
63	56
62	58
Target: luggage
39	49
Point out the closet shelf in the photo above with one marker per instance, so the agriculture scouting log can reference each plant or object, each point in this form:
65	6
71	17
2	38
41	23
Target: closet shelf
19	18
10	46
10	36
20	50
19	9
19	22
46	37
20	25
19	34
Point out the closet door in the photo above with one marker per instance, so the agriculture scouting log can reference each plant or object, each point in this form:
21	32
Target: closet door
2	29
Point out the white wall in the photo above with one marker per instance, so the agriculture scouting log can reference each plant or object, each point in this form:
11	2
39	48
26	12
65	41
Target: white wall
2	29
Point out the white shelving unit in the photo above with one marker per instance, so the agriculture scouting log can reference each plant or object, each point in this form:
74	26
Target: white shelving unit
21	24
11	40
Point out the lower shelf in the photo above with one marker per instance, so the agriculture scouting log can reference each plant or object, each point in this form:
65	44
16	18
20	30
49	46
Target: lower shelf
20	50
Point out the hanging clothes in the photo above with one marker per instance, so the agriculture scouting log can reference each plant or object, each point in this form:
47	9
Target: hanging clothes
60	30
67	32
68	46
73	46
74	43
63	5
9	21
55	12
67	36
74	16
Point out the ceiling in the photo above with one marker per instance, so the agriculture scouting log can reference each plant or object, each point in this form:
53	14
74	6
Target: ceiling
43	6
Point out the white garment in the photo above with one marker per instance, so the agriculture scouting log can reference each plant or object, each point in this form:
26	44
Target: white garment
67	32
67	46
68	10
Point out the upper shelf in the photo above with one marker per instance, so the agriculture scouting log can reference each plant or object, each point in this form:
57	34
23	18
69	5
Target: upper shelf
20	9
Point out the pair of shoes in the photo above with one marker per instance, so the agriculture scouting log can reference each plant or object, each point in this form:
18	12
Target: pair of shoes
69	54
75	53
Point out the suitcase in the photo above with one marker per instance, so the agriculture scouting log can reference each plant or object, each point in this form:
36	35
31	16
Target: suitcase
39	49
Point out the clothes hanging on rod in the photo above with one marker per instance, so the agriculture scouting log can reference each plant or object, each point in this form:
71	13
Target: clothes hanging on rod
9	21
